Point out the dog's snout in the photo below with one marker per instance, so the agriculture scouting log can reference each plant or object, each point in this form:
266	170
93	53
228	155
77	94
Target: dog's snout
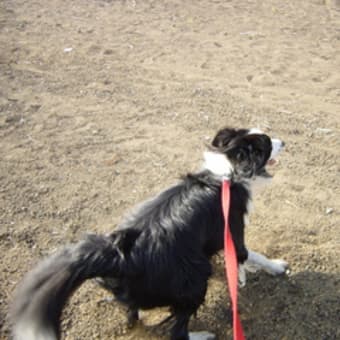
277	146
278	143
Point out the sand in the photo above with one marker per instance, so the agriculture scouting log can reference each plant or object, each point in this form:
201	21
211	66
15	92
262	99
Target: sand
104	103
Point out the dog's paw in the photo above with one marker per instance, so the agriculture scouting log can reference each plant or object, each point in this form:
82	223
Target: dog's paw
251	267
242	277
201	336
277	267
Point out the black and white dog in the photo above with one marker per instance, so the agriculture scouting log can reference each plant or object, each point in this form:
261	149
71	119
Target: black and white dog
160	254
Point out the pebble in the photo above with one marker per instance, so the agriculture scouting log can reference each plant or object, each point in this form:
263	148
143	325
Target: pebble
322	130
329	211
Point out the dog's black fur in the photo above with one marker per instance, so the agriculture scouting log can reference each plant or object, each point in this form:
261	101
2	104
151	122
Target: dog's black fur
159	256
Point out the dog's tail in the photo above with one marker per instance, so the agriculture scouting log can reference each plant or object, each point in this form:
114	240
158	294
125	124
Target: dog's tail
44	291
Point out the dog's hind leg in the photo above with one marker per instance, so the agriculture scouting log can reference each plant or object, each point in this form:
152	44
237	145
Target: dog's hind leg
191	287
180	329
258	261
132	317
184	310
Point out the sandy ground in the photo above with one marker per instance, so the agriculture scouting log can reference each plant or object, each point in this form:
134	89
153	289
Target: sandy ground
104	103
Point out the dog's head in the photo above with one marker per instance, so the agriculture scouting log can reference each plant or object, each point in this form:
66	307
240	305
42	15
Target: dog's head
247	152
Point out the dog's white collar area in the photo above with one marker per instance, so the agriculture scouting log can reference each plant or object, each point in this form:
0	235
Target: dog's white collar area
218	164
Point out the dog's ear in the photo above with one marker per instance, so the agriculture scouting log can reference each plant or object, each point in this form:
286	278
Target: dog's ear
225	136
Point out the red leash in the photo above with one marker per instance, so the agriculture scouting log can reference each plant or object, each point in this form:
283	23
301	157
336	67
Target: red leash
230	260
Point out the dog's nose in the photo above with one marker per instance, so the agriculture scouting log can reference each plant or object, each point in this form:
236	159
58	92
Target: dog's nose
283	144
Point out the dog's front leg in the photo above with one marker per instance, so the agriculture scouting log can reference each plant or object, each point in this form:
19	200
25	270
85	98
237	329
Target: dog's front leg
258	261
237	231
242	255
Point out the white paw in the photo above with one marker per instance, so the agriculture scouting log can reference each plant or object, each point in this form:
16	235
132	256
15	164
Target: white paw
242	277
277	267
251	267
202	336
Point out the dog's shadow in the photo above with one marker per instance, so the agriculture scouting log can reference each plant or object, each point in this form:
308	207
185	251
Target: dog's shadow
305	305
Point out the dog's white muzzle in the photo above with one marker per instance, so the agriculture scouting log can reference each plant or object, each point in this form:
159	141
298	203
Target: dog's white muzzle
277	146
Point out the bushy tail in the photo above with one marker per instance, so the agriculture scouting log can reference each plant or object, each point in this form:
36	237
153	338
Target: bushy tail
41	297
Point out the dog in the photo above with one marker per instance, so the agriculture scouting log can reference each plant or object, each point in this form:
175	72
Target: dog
160	254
